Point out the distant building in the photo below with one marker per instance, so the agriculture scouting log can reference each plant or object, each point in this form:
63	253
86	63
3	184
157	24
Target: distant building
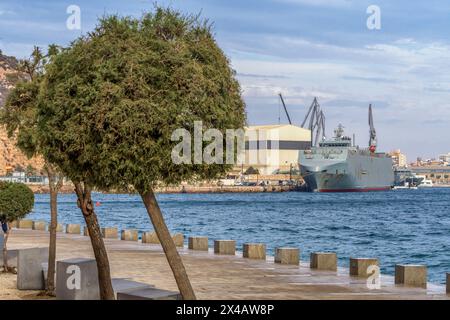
440	175
273	149
398	158
23	178
445	158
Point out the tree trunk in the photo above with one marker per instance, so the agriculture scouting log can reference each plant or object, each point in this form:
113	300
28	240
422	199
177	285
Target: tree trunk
54	187
173	258
5	249
101	256
52	246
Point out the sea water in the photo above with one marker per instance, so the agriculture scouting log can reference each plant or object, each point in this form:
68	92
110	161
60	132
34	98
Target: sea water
402	226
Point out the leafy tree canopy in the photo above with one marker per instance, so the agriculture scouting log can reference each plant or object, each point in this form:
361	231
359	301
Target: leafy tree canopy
109	103
16	201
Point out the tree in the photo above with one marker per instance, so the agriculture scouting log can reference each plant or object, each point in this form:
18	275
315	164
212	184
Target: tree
19	117
110	102
30	170
16	201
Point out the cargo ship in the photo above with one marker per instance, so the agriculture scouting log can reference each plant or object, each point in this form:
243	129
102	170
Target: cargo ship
337	165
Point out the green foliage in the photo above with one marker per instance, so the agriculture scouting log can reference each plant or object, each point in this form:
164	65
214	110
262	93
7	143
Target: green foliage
109	103
16	201
19	112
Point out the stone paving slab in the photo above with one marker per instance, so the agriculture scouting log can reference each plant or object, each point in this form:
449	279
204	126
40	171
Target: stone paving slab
226	277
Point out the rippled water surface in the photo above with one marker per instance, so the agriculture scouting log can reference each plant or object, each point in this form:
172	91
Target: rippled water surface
404	226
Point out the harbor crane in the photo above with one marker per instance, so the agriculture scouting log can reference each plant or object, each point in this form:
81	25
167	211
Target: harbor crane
316	123
285	109
373	133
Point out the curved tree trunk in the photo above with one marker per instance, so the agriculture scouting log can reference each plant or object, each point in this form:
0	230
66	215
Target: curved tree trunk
5	249
173	258
54	186
101	256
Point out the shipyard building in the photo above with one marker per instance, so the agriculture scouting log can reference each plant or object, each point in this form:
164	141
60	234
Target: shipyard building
274	149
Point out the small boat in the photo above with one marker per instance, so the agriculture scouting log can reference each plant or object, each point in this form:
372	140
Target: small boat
406	185
426	183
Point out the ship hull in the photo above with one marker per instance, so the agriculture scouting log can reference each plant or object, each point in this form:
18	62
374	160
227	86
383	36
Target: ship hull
356	173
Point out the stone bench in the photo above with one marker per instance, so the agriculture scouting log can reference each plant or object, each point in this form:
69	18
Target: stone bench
121	285
148	294
40	225
287	256
73	228
254	251
360	266
110	233
448	283
12	257
152	238
323	261
411	275
29	268
227	247
77	279
129	235
198	243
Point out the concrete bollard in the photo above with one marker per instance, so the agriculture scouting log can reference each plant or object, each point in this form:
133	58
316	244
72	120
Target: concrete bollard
225	247
129	235
25	224
411	275
29	268
323	261
150	237
85	231
77	279
59	227
448	283
198	243
178	238
148	294
39	225
359	266
287	256
73	228
110	233
254	251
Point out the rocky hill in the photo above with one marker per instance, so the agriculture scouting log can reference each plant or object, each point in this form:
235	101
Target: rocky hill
10	157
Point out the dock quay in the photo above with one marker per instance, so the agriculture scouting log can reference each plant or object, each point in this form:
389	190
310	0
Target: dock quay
218	276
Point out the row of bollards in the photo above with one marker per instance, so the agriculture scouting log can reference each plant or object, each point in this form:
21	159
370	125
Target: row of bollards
411	275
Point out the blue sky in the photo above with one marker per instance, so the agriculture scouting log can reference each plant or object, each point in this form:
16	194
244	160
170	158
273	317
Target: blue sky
302	48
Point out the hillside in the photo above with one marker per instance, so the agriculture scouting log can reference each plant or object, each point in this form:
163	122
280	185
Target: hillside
10	156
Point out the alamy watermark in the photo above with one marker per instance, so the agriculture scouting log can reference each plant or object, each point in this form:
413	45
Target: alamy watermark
73	22
374	20
238	146
73	281
374	280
